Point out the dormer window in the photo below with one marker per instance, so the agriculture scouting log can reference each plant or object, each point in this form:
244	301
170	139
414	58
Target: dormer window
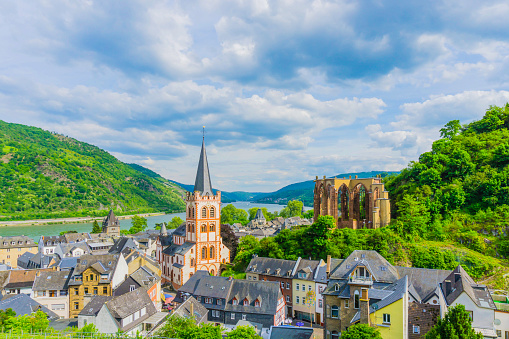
336	287
257	303
235	301
267	270
278	271
245	302
302	275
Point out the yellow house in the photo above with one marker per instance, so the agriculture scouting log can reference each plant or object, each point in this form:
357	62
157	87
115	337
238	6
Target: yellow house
94	275
303	289
392	319
11	248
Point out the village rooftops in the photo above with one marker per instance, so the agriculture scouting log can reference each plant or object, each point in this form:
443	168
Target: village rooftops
16	241
259	297
51	280
125	305
179	249
381	270
306	269
95	305
104	264
272	267
22	304
23	278
192	308
422	281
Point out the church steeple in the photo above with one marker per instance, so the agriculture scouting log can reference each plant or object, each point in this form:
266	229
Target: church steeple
202	183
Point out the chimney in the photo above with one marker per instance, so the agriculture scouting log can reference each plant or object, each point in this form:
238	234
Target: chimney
364	307
230	278
356	177
448	287
328	266
457	277
364	294
192	309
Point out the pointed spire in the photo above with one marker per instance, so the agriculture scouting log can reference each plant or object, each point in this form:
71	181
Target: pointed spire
202	183
163	229
110	219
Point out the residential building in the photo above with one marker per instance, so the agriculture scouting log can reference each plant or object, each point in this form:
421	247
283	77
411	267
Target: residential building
197	243
192	308
67	250
126	313
111	225
51	290
47	245
229	300
11	248
21	281
121	244
279	270
304	293
100	247
143	277
22	304
94	275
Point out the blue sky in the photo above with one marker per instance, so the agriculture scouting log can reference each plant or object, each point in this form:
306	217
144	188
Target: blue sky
287	90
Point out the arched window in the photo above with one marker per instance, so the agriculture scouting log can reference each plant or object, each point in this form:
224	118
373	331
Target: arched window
257	303
192	212
204	252
204	212
335	335
212	273
189	212
212	252
212	228
204	228
245	302
336	287
212	212
335	312
192	261
356	301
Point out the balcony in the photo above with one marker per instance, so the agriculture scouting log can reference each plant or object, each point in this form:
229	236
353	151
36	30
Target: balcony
360	280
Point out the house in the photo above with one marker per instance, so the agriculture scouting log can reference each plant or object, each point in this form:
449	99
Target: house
501	314
197	243
94	275
279	270
40	260
100	247
121	244
67	250
229	300
460	288
192	308
11	248
304	293
21	281
47	245
51	290
126	313
24	260
146	278
22	304
290	332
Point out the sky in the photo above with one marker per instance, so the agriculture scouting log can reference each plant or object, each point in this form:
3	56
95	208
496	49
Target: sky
287	90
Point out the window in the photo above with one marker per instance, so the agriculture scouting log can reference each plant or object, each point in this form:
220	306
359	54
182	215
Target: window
245	302
335	312
212	228
143	311
320	289
417	329
52	294
212	253
320	303
203	228
204	212
57	307
335	335
91	277
212	212
204	253
235	302
309	287
297	300
76	291
132	288
86	290
192	211
232	316
63	292
288	285
95	290
208	300
76	305
471	315
383	268
105	290
387	318
248	277
336	287
297	287
356	301
347	303
243	317
257	303
218	302
287	298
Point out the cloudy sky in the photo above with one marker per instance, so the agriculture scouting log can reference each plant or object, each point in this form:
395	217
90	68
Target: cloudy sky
286	89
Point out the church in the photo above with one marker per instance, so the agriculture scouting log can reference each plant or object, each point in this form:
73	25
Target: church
197	243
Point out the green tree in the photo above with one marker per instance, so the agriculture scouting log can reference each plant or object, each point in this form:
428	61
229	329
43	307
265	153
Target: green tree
318	234
450	129
95	228
309	214
4	315
174	223
361	331
248	246
139	224
186	328
456	324
292	209
243	332
252	213
231	215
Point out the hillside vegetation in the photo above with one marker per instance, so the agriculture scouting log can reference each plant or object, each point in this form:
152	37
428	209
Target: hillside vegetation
451	207
47	175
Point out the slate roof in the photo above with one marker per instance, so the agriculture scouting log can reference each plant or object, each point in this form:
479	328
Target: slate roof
462	282
422	281
259	215
95	305
178	249
166	240
181	230
24	259
19	241
308	267
191	284
66	248
145	277
213	287
379	267
199	311
290	332
321	274
22	304
52	280
111	220
277	267
76	237
268	292
52	240
4	278
121	244
103	263
68	263
126	304
22	278
202	183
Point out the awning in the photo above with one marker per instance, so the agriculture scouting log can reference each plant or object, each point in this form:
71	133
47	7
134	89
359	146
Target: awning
486	332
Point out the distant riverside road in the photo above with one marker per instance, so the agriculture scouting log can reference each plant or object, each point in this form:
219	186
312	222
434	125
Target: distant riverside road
69	220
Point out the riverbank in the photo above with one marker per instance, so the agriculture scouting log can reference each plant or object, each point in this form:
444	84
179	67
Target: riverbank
75	220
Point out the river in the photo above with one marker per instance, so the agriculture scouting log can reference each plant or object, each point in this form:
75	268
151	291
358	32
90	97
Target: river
35	232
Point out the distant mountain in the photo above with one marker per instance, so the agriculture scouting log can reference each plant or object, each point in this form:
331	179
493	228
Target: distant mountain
303	191
226	197
48	175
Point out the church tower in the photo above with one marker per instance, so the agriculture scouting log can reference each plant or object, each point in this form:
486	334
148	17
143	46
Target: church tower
203	220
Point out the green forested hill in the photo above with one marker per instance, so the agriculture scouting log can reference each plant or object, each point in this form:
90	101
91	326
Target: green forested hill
47	175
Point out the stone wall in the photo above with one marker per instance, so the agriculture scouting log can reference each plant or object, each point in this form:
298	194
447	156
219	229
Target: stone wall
423	315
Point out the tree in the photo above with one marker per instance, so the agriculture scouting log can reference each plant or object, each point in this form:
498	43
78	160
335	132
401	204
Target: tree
243	332
95	228
309	214
231	215
318	234
456	324
361	331
174	223
230	240
310	301
139	224
186	328
292	209
248	246
252	213
450	129
4	315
